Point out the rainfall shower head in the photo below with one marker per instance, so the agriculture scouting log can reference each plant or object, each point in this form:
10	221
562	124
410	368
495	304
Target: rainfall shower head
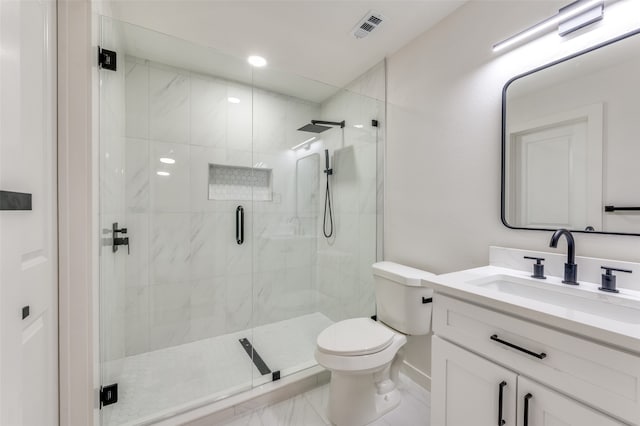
313	128
319	126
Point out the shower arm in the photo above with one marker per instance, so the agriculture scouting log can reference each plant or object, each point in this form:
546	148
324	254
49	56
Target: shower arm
329	123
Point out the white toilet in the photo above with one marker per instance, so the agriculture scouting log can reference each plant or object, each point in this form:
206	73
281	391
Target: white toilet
364	356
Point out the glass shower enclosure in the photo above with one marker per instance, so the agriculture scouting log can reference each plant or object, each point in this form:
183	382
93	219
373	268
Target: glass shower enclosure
215	275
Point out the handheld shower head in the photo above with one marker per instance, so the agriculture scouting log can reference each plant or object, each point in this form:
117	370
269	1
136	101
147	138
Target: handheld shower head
328	211
327	169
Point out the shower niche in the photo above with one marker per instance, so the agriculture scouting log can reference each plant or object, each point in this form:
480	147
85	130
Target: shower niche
239	183
187	136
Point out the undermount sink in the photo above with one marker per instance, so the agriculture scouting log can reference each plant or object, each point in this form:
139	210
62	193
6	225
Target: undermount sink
586	299
583	310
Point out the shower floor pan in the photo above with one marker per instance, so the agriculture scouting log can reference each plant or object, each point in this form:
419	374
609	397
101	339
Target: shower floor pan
154	384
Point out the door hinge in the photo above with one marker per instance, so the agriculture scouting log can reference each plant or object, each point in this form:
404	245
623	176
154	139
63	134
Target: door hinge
107	59
108	395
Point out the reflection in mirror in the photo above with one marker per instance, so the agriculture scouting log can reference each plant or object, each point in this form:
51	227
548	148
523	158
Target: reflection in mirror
571	142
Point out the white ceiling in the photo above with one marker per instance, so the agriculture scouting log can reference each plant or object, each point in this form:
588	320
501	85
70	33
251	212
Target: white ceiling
309	38
133	40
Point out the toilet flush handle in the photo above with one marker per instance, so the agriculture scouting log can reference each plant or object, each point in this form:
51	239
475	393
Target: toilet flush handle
426	300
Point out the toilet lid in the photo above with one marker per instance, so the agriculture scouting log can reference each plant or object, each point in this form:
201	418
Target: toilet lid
357	336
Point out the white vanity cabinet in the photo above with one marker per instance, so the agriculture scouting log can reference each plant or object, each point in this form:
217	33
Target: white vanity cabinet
470	390
571	381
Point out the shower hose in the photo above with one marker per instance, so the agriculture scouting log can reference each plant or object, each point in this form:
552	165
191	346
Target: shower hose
327	209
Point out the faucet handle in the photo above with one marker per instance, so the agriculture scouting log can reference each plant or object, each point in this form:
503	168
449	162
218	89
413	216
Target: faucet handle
538	267
609	280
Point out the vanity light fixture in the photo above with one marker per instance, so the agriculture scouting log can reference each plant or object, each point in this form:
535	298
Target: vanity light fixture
568	19
306	144
257	61
233	100
167	160
358	126
161	173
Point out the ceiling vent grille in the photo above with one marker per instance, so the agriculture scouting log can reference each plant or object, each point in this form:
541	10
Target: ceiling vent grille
370	22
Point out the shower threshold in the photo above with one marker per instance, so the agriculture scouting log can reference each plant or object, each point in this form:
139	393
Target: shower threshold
157	384
256	358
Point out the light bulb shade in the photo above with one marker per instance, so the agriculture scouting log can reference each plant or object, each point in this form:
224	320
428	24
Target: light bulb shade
588	8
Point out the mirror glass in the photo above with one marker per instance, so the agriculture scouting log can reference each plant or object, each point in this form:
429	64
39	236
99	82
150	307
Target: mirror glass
571	142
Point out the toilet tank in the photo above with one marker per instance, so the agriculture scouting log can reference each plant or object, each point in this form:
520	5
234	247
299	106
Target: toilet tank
399	297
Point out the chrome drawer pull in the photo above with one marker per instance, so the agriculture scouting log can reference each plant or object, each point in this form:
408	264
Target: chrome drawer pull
541	355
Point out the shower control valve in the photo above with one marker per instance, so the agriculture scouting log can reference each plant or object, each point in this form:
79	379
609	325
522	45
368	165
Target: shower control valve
119	241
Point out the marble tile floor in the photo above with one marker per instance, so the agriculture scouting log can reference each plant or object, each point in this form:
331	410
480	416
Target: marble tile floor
156	383
309	409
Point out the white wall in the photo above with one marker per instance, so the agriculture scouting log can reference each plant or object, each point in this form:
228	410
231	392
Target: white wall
442	206
77	205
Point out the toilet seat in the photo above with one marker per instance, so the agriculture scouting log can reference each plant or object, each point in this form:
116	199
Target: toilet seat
355	337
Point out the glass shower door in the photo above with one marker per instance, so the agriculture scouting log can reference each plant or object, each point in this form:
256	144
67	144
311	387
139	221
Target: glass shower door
175	275
111	216
215	274
304	281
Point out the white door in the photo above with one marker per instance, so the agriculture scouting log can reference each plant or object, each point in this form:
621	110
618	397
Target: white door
28	240
554	170
553	176
548	408
469	390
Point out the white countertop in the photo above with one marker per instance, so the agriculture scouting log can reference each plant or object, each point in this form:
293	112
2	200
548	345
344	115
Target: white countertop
619	333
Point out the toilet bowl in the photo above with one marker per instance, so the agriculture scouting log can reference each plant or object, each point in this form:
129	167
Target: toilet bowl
364	369
365	356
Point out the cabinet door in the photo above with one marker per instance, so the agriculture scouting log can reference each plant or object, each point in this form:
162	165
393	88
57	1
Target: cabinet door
469	390
540	406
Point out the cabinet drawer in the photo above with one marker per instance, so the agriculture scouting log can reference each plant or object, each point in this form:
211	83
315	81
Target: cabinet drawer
601	377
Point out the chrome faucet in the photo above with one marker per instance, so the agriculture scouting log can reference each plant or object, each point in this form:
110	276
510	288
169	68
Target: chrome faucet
570	267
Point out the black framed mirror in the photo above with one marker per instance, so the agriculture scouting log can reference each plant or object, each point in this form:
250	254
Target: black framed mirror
571	142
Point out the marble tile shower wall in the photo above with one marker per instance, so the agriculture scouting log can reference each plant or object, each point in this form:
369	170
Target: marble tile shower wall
345	281
187	278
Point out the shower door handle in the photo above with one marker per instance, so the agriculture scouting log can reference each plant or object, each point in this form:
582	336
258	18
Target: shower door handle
240	225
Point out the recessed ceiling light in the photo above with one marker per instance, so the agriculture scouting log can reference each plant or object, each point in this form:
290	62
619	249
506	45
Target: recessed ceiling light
167	160
163	173
233	100
257	61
